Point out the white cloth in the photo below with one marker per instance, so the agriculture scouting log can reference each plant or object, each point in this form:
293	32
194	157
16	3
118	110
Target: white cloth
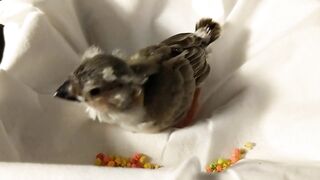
264	87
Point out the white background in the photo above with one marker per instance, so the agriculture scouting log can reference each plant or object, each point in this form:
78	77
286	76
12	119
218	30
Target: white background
264	87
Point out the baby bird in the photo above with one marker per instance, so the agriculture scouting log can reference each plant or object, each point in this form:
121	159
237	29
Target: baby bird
152	90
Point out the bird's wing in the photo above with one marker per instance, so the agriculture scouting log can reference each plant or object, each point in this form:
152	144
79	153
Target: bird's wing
206	31
147	61
169	92
183	40
197	58
196	53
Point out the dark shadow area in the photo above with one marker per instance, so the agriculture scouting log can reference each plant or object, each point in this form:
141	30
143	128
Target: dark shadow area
1	42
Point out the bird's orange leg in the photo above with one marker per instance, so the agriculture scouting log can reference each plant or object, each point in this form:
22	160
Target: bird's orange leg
188	119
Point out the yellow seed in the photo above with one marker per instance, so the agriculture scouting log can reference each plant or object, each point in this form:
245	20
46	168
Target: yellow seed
143	159
220	161
228	162
243	151
225	165
249	145
111	164
147	166
156	166
124	162
98	162
117	160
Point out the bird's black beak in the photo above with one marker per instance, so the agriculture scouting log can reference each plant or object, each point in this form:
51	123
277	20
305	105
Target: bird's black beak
64	92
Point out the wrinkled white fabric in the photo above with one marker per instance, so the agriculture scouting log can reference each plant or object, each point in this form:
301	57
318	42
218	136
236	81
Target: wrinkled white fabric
264	87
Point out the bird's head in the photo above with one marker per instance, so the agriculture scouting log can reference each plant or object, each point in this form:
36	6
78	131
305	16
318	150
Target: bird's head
103	82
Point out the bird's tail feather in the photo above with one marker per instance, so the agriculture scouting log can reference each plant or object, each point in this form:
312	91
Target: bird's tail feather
207	29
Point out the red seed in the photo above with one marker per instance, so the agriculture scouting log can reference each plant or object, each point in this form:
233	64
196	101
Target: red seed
209	170
236	152
100	156
136	156
136	165
106	159
234	160
219	168
134	161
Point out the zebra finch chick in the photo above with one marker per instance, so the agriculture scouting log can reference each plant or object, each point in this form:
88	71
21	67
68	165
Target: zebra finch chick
149	91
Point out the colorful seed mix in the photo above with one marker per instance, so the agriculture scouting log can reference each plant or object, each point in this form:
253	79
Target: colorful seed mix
222	164
138	160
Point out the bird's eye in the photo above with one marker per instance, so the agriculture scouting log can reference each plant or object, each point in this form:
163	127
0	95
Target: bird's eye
94	91
177	49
